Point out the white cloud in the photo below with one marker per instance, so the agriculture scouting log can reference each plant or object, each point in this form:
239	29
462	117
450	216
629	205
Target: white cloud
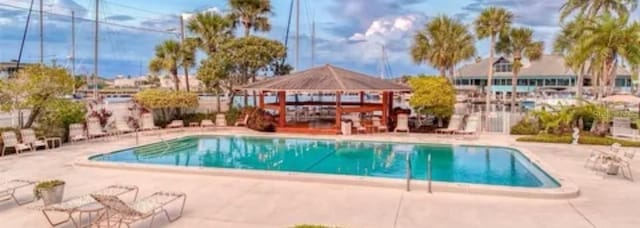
188	16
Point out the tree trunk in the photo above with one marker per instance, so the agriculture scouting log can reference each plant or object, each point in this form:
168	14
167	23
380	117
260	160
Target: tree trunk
443	72
514	83
247	31
186	78
488	89
32	117
218	109
580	83
176	80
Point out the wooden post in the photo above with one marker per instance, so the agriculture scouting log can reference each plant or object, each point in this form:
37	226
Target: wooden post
282	97
338	109
361	98
385	107
390	107
262	99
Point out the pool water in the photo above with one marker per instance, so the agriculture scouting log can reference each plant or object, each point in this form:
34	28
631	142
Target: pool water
463	164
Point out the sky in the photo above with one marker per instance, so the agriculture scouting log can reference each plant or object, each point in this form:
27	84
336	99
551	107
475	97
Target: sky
349	33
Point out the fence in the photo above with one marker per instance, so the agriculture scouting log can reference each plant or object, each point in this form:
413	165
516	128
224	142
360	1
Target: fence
13	119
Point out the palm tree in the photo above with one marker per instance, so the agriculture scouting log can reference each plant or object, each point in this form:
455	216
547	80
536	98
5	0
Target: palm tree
168	58
519	43
189	48
491	23
610	39
252	14
565	43
210	30
443	43
593	8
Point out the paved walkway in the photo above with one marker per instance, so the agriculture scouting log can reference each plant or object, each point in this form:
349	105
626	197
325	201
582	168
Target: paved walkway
242	202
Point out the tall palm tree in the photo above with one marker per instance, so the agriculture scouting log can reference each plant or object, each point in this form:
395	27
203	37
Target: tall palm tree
252	14
210	30
592	8
443	43
565	43
168	57
189	47
519	43
491	23
610	39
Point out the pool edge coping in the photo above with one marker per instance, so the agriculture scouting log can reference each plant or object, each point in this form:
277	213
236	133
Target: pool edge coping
566	190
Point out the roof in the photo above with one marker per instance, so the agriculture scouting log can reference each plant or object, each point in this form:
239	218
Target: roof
546	66
327	78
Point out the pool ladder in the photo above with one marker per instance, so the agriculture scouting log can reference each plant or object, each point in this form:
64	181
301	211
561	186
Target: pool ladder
429	172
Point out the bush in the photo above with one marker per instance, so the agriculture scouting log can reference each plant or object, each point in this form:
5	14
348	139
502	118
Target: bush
586	139
58	115
232	115
169	103
525	127
259	119
198	117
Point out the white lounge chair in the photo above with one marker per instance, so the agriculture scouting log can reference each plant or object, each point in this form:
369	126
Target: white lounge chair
378	124
402	123
471	127
94	129
597	156
176	124
622	128
625	162
79	205
77	133
8	190
221	120
454	125
243	121
29	138
358	126
148	123
122	127
9	140
207	124
118	212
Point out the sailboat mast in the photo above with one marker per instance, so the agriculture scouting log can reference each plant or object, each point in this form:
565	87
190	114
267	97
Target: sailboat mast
313	44
41	22
24	36
73	48
297	35
95	51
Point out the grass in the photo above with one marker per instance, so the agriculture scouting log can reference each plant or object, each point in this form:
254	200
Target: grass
584	139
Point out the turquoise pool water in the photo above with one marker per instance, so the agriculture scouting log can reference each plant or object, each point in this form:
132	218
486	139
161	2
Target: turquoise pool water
465	164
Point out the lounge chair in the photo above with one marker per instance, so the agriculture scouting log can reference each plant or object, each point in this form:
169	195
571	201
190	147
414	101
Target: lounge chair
77	133
118	212
378	124
94	129
402	124
147	122
454	125
221	120
597	156
207	124
122	127
79	205
9	140
243	121
8	190
471	127
622	128
176	124
625	162
29	138
358	126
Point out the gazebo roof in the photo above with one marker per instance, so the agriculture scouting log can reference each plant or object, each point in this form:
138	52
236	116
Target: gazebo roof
327	78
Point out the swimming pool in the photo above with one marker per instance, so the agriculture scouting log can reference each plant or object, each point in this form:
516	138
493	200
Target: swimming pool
459	164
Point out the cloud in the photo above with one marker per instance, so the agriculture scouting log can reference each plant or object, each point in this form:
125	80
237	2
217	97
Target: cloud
527	13
120	18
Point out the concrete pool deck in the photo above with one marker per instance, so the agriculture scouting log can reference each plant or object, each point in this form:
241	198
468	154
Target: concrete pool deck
217	201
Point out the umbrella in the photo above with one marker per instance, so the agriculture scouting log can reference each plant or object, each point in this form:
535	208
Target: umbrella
622	98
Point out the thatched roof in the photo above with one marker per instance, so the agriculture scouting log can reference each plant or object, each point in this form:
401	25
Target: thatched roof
327	78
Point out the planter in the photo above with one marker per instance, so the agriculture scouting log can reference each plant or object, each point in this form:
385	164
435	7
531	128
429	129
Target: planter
613	169
52	195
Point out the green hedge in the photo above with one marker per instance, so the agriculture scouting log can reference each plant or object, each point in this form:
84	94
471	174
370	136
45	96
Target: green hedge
525	127
584	139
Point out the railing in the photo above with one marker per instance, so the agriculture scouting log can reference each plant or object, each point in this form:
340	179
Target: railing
429	172
408	172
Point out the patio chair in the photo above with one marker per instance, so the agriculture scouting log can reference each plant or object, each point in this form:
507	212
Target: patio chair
622	128
378	124
402	124
176	124
242	121
94	129
147	123
122	127
77	133
118	212
79	205
596	156
29	138
207	124
454	125
471	127
625	162
221	120
8	190
358	126
9	140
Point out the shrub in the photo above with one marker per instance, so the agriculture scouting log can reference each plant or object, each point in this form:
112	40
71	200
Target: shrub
169	103
525	127
232	115
198	117
46	185
58	115
259	119
586	139
546	138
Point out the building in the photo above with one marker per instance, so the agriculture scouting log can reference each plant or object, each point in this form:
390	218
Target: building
194	83
129	82
548	72
10	68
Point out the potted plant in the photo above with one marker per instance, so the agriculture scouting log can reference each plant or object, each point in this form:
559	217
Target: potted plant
50	192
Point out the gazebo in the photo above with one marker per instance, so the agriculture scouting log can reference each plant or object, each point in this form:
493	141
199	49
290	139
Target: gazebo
325	80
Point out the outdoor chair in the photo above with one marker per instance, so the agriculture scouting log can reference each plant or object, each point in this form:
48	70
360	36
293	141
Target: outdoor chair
242	121
471	127
597	156
378	124
454	125
9	140
402	123
176	124
207	124
77	133
118	212
29	138
358	126
622	128
8	190
625	162
221	120
122	127
85	204
147	123
94	129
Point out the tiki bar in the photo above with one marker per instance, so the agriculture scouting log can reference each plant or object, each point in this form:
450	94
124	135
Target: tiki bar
317	100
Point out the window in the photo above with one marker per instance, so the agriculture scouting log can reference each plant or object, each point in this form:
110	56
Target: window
502	67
